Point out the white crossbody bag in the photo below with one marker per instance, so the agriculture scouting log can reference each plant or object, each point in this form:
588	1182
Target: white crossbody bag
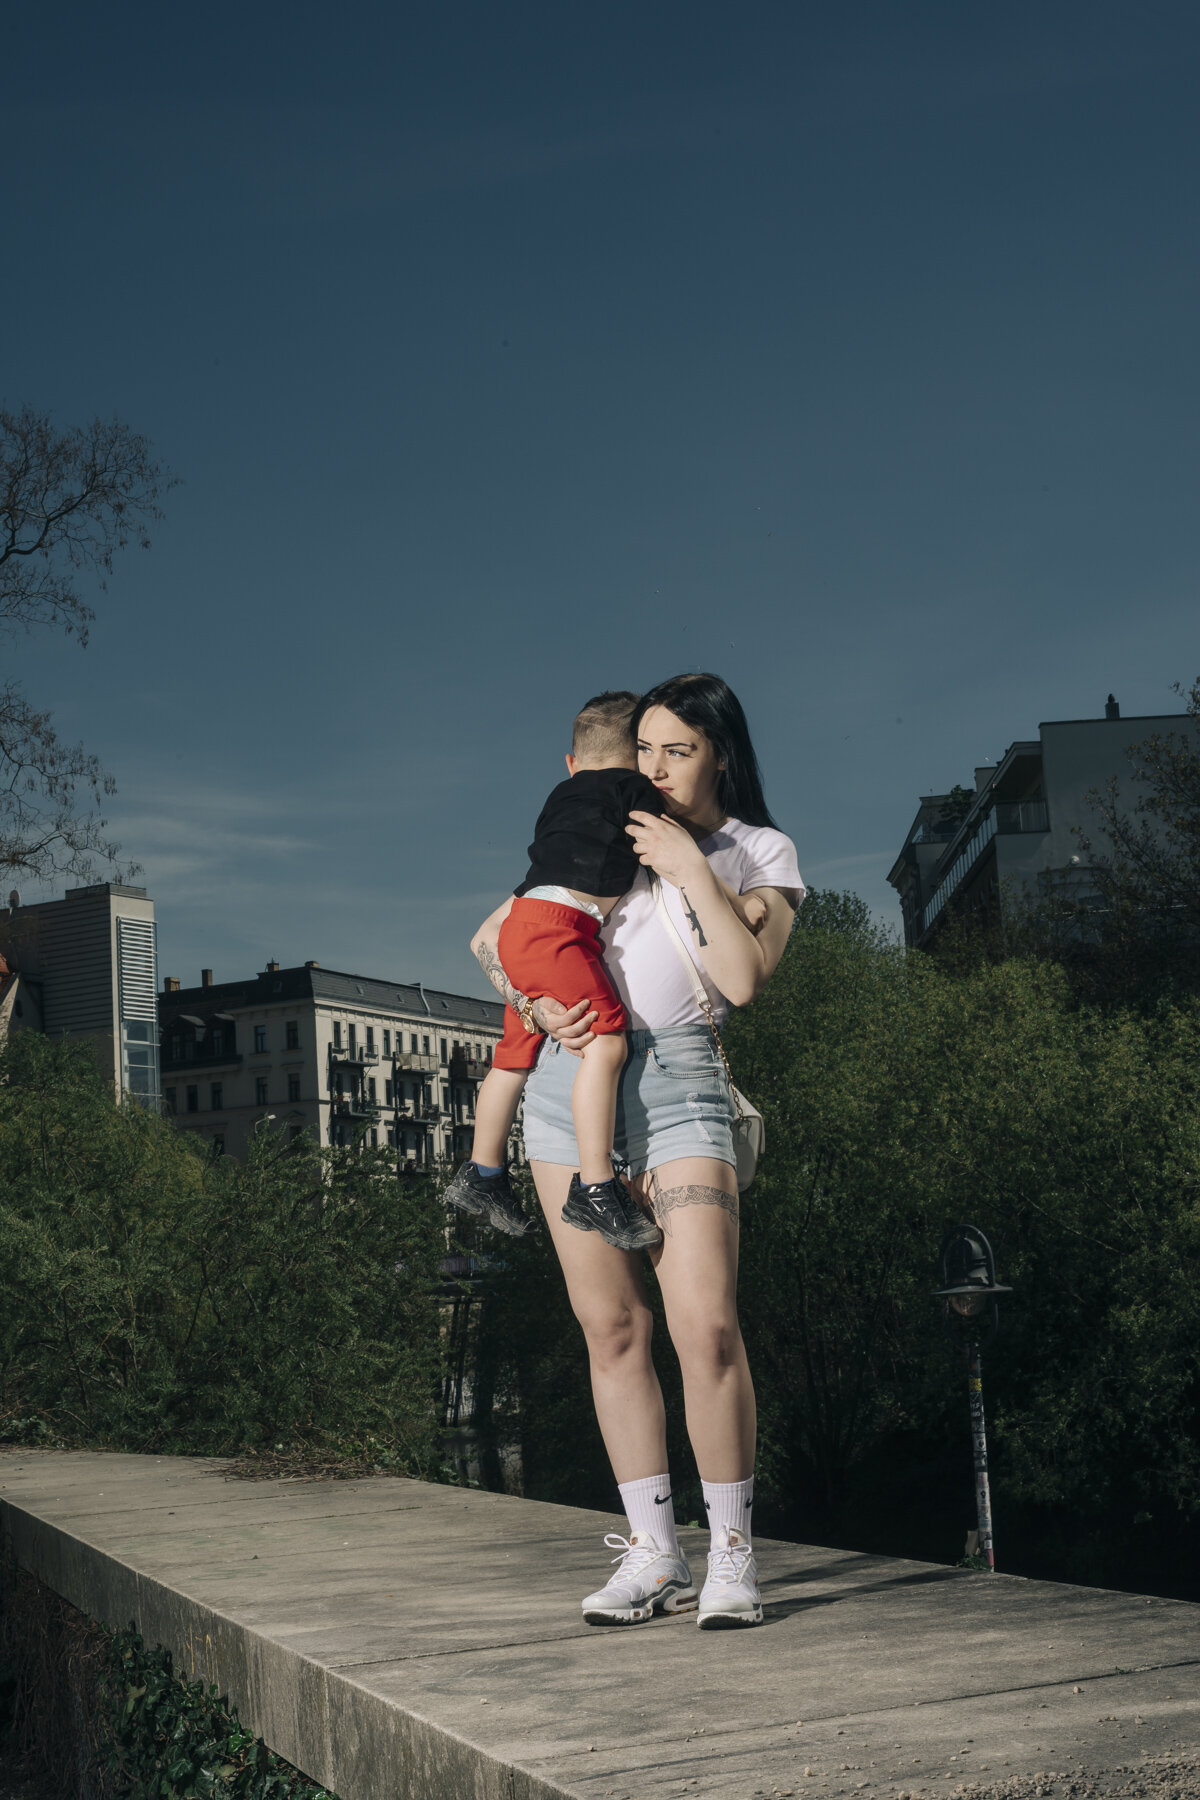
749	1132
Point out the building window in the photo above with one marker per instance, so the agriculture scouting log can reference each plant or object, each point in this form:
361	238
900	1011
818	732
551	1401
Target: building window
445	1057
374	1138
291	1035
353	1036
370	1040
387	1042
293	1087
424	1046
193	1099
169	1097
214	1095
387	1093
260	1037
176	1050
260	1090
445	1098
413	1042
337	1034
370	1087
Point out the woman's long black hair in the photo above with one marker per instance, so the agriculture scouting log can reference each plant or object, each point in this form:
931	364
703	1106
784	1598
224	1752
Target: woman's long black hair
709	705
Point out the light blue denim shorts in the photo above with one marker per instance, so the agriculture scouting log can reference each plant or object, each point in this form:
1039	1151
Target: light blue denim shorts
673	1101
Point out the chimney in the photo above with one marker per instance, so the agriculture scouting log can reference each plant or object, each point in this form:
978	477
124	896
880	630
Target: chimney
272	968
171	984
312	965
1112	709
206	978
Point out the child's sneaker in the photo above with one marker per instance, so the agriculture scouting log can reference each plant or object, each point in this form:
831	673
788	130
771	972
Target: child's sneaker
730	1595
649	1580
609	1208
490	1196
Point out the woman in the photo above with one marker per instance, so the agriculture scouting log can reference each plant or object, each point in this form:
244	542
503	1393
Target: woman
675	1130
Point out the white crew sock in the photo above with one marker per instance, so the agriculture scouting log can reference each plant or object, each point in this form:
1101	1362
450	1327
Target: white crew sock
648	1508
729	1503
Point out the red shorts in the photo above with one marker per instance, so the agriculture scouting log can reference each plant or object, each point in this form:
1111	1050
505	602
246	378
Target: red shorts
549	949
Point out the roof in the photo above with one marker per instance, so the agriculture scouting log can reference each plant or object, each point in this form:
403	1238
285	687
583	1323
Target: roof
275	985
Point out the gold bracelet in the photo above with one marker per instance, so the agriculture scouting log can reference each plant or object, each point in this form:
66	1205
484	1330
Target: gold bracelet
525	1014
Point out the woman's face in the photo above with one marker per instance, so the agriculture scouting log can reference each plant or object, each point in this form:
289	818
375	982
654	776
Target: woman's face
681	763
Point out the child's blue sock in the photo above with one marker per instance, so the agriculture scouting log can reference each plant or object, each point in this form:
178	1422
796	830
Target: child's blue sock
485	1169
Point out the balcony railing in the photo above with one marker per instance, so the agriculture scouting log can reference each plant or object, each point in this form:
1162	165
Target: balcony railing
352	1053
466	1068
1022	815
205	1059
353	1106
418	1063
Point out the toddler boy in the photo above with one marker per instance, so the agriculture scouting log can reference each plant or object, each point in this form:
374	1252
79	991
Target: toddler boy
581	862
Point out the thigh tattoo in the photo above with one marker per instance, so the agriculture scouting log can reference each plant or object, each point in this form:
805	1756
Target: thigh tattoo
666	1200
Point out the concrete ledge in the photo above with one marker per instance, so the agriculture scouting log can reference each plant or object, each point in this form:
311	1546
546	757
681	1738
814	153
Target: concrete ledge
401	1641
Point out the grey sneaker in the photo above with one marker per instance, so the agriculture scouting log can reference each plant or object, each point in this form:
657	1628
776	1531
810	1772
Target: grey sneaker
490	1197
609	1208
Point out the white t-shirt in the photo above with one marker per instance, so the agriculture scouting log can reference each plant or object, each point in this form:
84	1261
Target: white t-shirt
641	960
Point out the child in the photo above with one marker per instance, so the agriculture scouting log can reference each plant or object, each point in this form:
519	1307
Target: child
581	863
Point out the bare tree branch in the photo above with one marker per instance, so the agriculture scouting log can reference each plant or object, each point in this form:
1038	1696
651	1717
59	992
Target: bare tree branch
69	500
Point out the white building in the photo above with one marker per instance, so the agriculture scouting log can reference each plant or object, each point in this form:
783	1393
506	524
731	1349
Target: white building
314	1051
1020	823
85	967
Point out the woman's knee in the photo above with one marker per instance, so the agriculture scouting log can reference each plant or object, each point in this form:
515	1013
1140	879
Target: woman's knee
616	1331
707	1345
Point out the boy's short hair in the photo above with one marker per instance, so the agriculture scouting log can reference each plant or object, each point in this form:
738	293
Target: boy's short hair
603	726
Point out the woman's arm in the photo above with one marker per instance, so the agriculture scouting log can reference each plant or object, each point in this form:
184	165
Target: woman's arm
567	1024
738	960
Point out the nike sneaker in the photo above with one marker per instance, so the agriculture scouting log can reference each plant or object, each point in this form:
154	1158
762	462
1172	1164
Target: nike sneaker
609	1208
730	1593
490	1197
649	1580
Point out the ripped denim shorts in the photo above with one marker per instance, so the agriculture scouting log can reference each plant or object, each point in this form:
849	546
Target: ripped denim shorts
673	1101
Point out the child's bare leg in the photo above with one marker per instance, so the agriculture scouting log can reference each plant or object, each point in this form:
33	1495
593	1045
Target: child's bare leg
495	1113
594	1104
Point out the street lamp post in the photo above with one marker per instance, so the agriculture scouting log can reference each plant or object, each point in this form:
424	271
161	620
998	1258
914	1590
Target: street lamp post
968	1294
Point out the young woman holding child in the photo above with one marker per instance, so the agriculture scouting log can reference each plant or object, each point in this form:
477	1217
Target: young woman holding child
674	1132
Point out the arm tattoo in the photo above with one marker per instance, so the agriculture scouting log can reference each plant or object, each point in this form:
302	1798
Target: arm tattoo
692	919
489	962
664	1201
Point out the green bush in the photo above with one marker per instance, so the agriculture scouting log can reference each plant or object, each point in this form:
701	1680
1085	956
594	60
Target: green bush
160	1299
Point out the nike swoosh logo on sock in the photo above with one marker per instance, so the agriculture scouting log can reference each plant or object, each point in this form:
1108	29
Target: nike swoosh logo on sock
661	1500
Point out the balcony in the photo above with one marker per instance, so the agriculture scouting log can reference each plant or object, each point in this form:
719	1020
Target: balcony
416	1063
465	1068
205	1059
352	1054
1021	815
353	1106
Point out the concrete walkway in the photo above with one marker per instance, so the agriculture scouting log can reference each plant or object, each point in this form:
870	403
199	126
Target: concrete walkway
400	1641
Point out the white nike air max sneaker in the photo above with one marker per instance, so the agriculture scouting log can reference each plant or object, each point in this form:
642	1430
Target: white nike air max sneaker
649	1580
730	1594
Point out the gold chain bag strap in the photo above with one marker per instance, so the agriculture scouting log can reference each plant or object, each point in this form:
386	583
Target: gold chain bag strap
749	1132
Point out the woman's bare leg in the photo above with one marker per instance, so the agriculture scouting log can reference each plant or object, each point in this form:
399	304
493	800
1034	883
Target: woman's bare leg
608	1298
695	1203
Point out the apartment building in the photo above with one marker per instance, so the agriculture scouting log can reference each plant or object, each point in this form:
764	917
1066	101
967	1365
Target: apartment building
1019	823
334	1056
85	967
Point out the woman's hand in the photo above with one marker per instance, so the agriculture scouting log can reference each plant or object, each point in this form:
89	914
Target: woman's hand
666	847
570	1025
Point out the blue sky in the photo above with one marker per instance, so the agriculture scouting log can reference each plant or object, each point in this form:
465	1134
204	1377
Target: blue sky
510	353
